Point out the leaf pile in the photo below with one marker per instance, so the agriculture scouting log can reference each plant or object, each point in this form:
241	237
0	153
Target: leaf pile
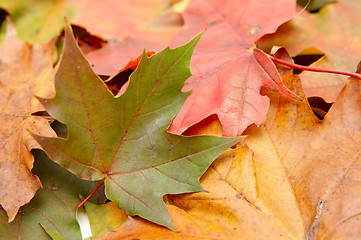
114	121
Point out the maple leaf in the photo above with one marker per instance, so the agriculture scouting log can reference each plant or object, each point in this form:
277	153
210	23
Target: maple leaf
296	178
53	206
321	160
111	19
123	140
333	31
24	70
228	71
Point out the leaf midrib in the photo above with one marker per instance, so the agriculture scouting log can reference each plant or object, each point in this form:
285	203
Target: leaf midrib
85	107
145	100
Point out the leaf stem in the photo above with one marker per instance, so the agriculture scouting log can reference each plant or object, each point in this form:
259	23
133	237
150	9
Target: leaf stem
90	195
312	69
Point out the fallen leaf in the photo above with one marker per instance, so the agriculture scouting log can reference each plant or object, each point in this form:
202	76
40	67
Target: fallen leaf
149	20
52	208
321	160
123	140
334	30
246	190
227	74
25	70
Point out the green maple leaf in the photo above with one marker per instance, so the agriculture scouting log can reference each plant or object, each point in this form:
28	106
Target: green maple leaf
124	140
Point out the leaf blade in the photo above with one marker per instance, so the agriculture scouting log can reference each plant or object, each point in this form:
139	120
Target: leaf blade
132	142
226	72
25	70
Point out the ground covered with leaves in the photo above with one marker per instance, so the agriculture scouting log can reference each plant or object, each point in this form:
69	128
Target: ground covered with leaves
192	119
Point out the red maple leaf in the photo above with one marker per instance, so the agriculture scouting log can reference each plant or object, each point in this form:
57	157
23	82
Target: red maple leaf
133	64
229	71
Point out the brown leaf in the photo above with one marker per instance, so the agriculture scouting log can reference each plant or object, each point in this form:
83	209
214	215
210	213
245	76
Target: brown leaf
25	70
321	160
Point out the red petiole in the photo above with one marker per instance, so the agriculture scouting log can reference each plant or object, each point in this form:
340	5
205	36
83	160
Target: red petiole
312	69
90	195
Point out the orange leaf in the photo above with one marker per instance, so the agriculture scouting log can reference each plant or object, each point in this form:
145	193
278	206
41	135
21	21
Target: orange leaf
321	160
25	70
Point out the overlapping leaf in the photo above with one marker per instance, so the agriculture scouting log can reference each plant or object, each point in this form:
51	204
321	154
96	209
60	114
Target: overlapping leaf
24	70
227	74
123	140
249	197
52	208
286	183
334	31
